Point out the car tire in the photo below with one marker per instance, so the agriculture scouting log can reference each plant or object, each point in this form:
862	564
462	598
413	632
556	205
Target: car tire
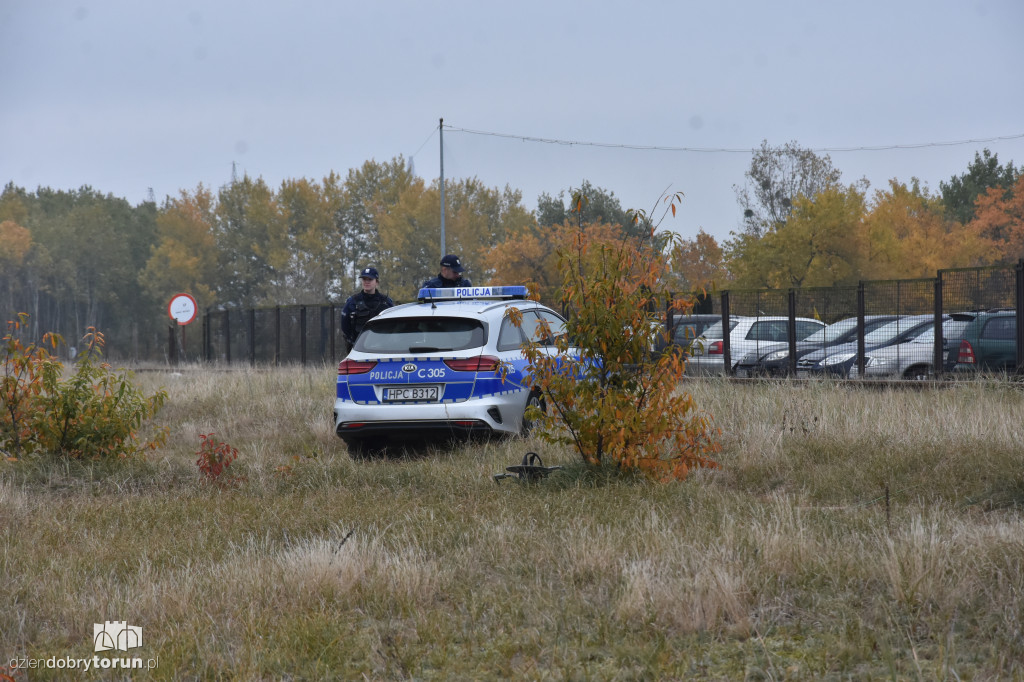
918	373
537	400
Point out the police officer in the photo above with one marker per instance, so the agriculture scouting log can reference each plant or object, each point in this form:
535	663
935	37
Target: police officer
363	306
450	275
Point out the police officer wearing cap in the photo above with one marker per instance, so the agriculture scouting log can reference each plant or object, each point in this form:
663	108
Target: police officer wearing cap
363	306
450	275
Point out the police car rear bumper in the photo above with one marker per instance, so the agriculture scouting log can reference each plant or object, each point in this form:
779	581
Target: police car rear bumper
473	417
410	430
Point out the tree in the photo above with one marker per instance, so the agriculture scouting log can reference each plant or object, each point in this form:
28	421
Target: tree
598	206
477	218
777	176
822	243
252	244
999	218
615	403
84	271
529	256
698	263
984	173
367	193
526	257
409	240
910	235
520	259
15	242
184	258
13	204
314	270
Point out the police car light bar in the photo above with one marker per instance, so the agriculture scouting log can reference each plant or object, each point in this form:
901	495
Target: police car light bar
457	293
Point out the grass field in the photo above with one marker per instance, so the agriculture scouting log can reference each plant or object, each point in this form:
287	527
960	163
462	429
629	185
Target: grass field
850	533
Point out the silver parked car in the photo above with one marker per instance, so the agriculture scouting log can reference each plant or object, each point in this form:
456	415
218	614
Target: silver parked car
915	359
746	335
773	359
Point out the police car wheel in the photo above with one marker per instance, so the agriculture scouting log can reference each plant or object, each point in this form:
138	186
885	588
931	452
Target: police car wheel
535	400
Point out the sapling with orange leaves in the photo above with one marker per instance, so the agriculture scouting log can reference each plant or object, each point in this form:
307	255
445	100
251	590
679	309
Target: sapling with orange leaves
606	393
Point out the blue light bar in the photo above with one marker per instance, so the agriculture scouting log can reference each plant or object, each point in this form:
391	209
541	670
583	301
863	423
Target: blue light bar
464	293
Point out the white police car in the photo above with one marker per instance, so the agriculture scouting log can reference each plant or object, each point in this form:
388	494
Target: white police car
448	366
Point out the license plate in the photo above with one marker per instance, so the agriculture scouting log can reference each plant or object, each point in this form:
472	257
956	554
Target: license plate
742	373
403	393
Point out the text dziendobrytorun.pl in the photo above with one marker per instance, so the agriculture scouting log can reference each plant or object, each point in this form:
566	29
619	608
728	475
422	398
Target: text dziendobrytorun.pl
85	664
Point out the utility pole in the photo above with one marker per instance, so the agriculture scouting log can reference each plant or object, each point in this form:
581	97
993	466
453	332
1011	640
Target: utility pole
442	187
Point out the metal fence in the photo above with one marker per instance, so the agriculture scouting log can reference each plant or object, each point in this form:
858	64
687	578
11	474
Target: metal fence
949	292
311	334
293	334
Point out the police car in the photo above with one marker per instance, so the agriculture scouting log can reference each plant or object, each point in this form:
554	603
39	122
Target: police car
450	365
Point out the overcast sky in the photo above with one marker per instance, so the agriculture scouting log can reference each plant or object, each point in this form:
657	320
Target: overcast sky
130	95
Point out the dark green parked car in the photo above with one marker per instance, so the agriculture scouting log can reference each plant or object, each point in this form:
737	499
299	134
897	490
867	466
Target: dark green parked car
989	343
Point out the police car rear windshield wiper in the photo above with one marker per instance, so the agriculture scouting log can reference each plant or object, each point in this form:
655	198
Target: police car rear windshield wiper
428	349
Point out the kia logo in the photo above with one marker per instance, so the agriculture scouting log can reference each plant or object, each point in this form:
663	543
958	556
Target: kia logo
409	367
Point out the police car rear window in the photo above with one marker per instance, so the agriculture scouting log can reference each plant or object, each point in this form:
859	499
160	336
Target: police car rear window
420	335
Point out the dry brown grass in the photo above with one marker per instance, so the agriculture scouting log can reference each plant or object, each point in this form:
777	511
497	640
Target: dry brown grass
850	533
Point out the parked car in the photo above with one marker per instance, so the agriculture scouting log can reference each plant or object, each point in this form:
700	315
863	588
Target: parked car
684	330
836	361
915	358
451	365
747	335
989	343
773	360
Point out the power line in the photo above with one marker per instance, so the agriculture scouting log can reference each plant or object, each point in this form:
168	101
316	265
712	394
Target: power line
429	138
724	150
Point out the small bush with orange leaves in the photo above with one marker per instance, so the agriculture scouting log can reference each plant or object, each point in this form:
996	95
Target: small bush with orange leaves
93	413
617	403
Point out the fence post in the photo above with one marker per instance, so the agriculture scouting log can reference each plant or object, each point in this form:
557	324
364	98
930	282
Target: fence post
206	336
302	335
726	351
227	336
333	356
861	350
172	349
252	337
277	335
938	362
791	332
1020	318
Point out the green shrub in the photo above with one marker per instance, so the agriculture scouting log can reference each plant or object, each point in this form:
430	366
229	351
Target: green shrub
94	413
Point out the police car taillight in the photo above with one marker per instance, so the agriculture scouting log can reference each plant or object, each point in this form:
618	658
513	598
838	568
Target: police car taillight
481	363
355	366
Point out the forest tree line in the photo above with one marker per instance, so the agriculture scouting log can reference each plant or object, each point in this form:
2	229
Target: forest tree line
75	259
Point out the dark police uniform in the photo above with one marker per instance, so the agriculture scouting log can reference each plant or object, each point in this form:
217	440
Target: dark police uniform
440	282
453	262
361	307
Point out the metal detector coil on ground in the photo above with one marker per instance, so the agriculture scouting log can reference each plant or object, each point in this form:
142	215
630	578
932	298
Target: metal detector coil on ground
531	470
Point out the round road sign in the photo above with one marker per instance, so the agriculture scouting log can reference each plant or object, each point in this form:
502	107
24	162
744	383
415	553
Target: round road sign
182	308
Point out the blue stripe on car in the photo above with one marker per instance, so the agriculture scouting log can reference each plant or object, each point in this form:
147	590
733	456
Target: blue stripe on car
360	388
